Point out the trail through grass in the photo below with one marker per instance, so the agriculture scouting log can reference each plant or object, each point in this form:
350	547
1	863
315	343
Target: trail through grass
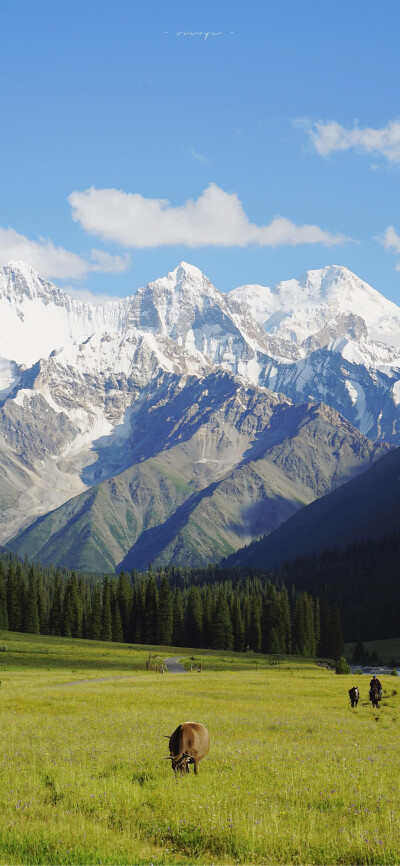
293	775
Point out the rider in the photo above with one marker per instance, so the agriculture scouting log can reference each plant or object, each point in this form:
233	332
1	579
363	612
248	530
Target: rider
375	683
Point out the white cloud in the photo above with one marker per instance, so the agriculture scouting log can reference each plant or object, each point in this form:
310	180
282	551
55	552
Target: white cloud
84	294
56	262
199	156
329	137
391	242
216	218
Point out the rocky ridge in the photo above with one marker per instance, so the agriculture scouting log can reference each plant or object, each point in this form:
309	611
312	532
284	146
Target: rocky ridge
79	382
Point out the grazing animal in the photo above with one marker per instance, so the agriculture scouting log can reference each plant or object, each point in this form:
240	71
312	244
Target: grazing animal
374	695
189	743
354	695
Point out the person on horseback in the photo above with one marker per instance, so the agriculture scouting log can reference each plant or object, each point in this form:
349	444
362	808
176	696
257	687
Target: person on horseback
375	684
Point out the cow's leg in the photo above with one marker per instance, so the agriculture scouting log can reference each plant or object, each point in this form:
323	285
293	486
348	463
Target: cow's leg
196	766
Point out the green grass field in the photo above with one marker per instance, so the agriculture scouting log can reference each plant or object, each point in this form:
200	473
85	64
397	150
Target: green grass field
294	775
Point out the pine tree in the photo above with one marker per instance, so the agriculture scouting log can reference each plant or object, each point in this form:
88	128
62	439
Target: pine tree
194	618
207	627
55	618
95	615
177	618
106	619
222	636
285	619
124	597
255	623
14	598
247	621
42	602
237	624
116	619
31	618
270	621
150	611
72	608
3	598
164	614
137	619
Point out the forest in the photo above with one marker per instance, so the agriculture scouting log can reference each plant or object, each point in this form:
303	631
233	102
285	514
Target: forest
170	607
307	607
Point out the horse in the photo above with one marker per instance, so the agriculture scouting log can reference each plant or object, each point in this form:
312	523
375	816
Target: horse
354	695
374	695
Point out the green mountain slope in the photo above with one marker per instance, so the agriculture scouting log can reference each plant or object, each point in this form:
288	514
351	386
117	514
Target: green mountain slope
221	478
368	507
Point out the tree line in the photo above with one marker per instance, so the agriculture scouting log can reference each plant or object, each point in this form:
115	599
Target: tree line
209	608
362	579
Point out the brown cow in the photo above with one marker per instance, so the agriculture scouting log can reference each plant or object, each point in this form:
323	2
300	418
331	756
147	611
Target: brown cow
188	744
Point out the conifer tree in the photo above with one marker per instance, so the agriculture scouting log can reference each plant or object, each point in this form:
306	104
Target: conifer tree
247	621
164	614
317	625
177	618
72	608
55	618
222	635
207	626
13	601
95	615
270	621
137	618
42	603
285	620
237	624
150	611
255	623
194	618
116	619
124	598
106	619
3	598
31	618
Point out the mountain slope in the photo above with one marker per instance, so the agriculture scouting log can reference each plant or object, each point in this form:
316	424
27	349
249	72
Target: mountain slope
368	506
88	392
232	462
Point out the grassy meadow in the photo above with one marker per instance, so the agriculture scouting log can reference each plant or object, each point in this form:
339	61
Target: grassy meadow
294	775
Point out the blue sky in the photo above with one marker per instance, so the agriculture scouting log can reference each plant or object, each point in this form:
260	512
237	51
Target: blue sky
254	140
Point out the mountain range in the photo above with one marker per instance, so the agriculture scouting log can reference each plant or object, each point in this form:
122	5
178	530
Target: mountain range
182	422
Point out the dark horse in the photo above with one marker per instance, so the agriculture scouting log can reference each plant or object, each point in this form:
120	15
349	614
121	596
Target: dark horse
375	695
354	696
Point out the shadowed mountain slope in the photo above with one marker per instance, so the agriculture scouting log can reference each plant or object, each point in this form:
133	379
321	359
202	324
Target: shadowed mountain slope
233	462
367	507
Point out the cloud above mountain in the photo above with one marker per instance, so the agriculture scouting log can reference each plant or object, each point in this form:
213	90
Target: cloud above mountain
391	242
57	262
330	137
216	218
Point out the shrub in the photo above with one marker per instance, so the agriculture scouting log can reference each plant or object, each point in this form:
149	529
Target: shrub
341	666
394	673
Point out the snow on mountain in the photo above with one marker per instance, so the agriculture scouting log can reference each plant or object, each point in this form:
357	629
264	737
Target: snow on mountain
73	375
348	337
297	309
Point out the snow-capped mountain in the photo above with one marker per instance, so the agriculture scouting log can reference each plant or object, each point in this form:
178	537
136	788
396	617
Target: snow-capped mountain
76	378
348	339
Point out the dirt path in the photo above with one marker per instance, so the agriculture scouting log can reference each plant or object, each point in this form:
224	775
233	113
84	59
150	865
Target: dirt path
174	666
96	680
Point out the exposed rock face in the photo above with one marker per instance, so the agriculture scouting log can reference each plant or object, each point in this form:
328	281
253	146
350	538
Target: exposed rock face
173	388
212	464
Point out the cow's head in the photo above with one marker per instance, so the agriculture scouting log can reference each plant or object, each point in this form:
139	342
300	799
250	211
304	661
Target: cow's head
180	763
